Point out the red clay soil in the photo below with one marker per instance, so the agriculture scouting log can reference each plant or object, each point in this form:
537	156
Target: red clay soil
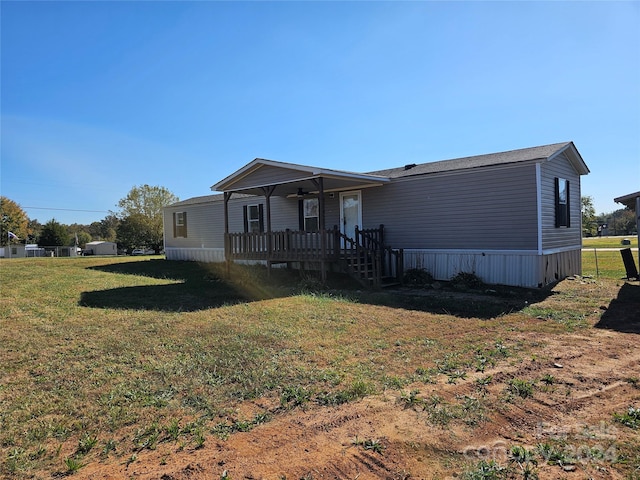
593	371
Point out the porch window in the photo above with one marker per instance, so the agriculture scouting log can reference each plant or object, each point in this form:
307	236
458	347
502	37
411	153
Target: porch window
180	224
253	218
309	214
562	194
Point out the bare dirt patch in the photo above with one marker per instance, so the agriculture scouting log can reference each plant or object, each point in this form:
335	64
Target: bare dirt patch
437	429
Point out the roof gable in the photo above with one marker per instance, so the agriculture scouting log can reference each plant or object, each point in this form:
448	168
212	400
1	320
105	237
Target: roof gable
261	172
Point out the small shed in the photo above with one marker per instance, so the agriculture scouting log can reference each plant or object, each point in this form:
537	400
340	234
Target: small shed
12	251
101	248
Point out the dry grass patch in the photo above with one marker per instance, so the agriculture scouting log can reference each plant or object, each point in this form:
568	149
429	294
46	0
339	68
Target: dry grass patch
106	359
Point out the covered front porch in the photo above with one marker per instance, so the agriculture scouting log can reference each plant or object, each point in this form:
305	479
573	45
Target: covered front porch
344	246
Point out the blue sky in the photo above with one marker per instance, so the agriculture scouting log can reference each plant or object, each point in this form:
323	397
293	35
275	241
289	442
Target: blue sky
98	97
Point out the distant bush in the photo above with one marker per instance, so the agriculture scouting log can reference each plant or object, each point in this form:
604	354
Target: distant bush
417	277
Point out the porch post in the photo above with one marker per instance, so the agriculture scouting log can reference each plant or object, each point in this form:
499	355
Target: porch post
321	227
227	246
268	191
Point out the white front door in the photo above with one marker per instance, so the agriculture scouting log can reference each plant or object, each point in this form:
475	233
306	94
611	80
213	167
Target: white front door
350	213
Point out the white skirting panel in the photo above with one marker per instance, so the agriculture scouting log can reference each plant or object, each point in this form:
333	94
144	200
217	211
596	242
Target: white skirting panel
518	268
205	255
556	266
208	255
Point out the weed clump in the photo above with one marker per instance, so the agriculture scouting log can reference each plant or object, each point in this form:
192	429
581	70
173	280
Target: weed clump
359	389
631	418
521	388
486	470
466	280
370	444
310	283
417	277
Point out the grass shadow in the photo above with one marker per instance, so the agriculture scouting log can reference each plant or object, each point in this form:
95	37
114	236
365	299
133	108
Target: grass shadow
205	285
623	313
200	287
483	304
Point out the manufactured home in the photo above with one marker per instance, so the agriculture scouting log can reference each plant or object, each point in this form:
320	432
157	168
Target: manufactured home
100	248
511	218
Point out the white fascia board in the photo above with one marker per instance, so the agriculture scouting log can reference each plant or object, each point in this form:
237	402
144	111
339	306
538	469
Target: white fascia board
574	157
539	206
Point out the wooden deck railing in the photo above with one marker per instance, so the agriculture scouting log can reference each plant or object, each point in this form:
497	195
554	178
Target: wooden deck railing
365	256
284	246
391	259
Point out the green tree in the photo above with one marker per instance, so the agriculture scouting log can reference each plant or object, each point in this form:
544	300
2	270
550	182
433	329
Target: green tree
146	200
35	229
83	238
79	231
12	219
137	231
589	222
141	213
54	234
619	222
623	222
105	229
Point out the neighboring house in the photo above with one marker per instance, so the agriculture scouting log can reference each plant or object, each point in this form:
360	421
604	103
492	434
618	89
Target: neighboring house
33	250
101	248
13	251
510	218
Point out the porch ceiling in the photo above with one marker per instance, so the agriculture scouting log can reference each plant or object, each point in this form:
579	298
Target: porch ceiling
288	178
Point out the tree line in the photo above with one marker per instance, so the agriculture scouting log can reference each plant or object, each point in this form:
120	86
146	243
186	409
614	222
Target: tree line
137	223
618	222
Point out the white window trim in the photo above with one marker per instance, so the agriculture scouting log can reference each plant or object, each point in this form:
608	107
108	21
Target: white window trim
252	221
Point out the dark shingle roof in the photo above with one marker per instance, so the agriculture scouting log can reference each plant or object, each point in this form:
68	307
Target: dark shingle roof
501	158
532	154
628	200
217	197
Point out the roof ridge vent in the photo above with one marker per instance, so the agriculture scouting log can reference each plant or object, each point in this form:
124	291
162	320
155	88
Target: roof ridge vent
409	166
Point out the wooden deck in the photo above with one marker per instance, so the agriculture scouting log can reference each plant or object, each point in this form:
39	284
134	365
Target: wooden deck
365	257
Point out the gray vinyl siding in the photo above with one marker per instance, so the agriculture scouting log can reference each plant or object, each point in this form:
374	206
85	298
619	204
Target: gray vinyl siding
205	221
205	225
561	237
489	208
284	212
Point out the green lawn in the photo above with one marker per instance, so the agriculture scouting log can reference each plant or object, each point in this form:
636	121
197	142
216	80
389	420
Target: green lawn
609	242
609	264
104	357
605	263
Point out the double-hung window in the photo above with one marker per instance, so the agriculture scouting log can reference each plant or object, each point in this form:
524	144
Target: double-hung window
562	194
253	218
310	214
180	224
